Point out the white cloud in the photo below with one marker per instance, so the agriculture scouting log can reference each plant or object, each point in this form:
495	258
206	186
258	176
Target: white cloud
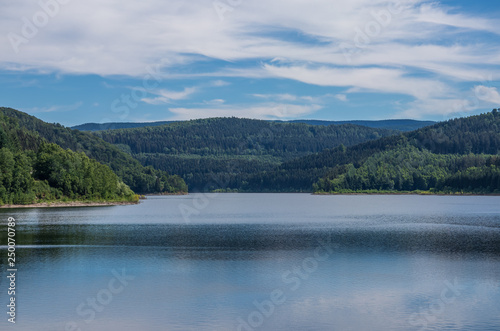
282	97
341	97
478	97
107	38
286	97
298	99
215	102
397	45
432	13
442	107
219	83
370	79
166	96
488	94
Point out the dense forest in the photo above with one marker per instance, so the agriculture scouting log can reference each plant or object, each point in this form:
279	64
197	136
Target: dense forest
400	125
40	161
408	168
459	155
49	173
139	178
230	154
236	136
203	150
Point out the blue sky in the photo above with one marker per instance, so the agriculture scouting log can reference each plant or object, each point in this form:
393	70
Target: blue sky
74	62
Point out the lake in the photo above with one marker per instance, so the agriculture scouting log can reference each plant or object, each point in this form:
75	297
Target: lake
247	262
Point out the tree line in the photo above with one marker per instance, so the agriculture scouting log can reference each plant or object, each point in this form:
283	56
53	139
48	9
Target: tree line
139	178
230	148
50	173
463	137
459	155
408	168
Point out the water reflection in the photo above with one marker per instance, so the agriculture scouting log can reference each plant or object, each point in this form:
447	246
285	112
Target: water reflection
248	237
335	269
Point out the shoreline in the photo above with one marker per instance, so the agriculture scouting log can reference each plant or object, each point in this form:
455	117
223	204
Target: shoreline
164	194
410	193
61	204
347	193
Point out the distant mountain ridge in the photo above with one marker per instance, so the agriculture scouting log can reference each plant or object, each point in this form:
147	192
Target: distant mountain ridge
199	149
459	155
233	154
394	124
117	125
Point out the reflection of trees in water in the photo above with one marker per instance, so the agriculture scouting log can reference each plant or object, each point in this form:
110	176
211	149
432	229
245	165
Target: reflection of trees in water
198	240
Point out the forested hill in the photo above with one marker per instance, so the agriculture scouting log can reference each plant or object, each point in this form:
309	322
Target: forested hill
460	155
199	150
140	179
117	125
457	155
45	172
236	136
400	125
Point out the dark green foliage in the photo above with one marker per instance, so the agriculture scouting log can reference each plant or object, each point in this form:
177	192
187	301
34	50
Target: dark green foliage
400	125
235	136
408	168
204	173
460	155
298	175
140	179
474	134
76	176
49	173
261	156
16	183
233	148
116	125
447	157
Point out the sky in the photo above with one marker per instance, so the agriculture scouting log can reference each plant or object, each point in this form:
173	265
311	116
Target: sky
75	61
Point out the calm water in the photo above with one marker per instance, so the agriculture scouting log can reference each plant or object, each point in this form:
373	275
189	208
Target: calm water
259	262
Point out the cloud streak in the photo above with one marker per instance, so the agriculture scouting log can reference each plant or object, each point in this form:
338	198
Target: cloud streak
55	108
416	48
487	94
166	96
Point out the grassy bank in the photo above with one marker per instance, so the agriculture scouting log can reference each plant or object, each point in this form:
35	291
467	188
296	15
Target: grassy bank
66	202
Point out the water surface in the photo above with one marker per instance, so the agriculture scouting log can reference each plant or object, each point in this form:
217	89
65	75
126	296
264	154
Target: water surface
260	262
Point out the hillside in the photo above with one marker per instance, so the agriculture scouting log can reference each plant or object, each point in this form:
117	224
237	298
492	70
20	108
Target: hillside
232	154
461	155
48	173
408	168
393	160
117	125
399	125
203	150
140	179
